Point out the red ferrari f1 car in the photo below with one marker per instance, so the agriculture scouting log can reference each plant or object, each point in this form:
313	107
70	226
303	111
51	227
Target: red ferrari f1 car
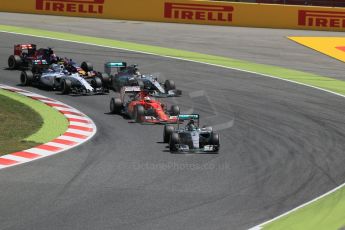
140	107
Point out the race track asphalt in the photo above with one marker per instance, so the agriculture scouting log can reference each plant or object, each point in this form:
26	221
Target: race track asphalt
282	145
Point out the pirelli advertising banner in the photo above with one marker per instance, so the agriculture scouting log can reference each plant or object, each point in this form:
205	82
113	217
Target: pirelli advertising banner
190	11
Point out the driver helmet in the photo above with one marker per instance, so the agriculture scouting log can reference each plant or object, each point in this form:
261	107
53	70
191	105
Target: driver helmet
191	126
50	50
81	72
55	67
147	99
53	58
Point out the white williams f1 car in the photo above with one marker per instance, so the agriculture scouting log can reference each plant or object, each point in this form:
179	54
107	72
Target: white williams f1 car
43	76
56	77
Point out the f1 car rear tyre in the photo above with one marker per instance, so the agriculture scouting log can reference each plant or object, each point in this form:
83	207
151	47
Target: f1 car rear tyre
14	61
86	66
169	85
26	78
115	105
96	82
66	85
174	140
106	80
139	112
215	141
141	84
168	130
174	110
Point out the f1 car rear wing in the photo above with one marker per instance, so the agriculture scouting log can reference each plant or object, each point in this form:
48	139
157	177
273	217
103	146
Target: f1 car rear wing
188	117
108	66
20	48
38	63
129	90
25	46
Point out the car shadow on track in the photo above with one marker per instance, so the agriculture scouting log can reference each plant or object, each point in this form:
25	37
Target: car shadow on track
8	69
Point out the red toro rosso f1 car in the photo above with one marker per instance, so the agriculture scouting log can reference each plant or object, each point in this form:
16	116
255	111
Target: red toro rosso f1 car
140	107
25	54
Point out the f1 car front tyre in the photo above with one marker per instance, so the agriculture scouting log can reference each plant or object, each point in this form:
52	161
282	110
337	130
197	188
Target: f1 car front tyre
66	85
106	80
141	84
14	62
215	141
26	78
139	112
174	110
168	130
115	105
96	82
87	66
174	140
169	85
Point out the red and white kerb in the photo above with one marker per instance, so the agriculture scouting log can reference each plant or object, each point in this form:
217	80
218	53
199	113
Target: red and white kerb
80	129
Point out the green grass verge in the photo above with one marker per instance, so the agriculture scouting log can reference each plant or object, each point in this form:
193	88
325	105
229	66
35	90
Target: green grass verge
327	213
26	122
17	122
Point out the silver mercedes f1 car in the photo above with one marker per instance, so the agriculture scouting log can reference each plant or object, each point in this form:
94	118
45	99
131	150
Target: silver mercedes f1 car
191	138
123	75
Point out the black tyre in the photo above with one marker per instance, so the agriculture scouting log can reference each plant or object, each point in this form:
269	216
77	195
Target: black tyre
141	84
86	66
174	140
169	85
66	86
34	69
174	110
139	112
26	78
115	105
106	80
215	141
115	84
168	130
14	62
96	82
